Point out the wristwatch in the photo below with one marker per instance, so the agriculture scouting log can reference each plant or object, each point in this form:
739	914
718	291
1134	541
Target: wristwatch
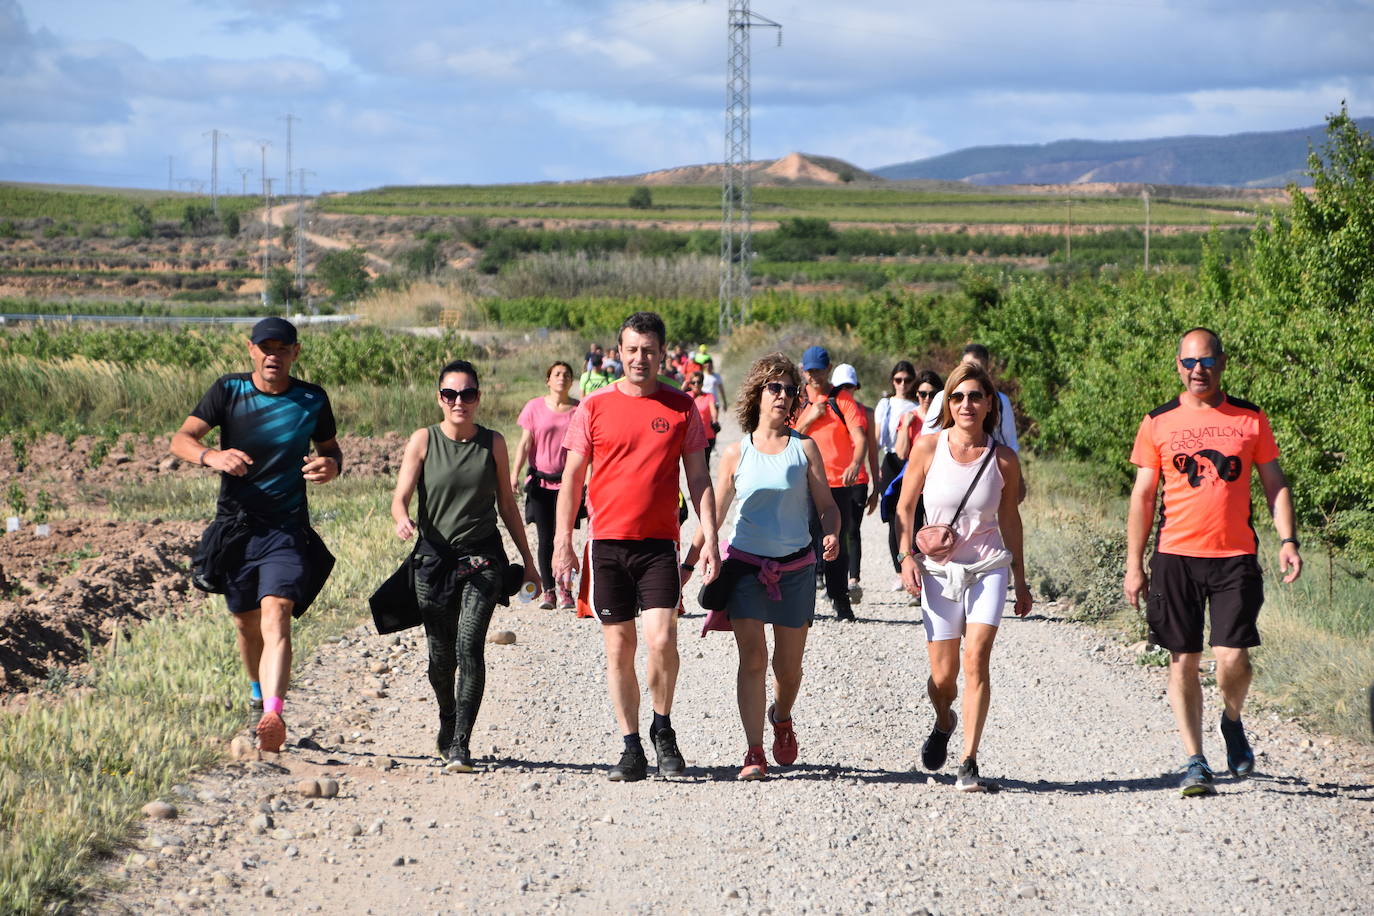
1293	541
903	556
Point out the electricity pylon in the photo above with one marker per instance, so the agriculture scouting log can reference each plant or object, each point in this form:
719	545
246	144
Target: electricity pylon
736	199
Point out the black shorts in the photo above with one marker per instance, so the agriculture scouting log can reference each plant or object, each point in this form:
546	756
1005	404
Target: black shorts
274	563
628	576
1180	588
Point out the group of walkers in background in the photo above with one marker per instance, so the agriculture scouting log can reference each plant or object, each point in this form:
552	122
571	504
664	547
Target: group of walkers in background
940	458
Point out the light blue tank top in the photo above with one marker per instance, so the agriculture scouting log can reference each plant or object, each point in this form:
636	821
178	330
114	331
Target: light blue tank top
773	498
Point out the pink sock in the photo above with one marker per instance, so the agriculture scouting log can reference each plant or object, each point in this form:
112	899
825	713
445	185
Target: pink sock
272	704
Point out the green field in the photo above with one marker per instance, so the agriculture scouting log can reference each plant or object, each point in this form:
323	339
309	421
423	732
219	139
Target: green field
701	203
105	206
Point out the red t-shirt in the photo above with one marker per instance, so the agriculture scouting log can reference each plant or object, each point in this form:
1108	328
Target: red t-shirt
634	445
832	435
704	403
1205	456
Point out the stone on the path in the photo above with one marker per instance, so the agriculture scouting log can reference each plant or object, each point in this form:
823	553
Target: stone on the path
355	830
261	824
502	637
159	810
379	667
281	833
308	788
373	693
329	788
241	748
1026	891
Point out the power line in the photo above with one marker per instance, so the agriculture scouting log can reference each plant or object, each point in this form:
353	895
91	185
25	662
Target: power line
289	119
736	198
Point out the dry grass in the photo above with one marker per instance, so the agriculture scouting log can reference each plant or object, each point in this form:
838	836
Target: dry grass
424	305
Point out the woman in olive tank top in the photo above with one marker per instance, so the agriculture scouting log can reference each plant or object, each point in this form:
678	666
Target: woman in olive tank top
462	473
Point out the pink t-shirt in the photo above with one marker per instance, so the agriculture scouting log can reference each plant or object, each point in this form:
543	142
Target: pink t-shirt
547	428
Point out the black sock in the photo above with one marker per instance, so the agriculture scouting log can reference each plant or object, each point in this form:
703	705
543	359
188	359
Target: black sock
660	723
632	743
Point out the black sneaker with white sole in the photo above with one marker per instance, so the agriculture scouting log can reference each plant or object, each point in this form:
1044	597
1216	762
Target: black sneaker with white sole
633	766
967	780
670	762
1240	758
935	751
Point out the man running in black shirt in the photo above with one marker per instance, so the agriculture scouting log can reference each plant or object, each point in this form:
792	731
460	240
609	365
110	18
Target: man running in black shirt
267	421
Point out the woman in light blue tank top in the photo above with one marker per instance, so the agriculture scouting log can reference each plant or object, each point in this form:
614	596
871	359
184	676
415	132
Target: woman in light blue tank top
775	474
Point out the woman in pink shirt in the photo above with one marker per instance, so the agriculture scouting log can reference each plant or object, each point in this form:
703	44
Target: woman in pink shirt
544	421
706	406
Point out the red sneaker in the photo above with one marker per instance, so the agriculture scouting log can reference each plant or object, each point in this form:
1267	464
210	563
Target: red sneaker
271	732
755	764
784	740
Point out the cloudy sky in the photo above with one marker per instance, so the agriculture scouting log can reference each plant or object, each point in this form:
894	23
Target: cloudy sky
422	91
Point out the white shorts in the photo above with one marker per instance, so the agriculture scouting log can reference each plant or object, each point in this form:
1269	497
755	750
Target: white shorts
982	603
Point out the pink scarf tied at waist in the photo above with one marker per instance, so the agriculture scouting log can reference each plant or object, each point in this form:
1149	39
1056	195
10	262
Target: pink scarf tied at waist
770	574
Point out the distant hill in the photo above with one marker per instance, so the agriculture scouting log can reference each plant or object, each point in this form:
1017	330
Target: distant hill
1252	160
792	169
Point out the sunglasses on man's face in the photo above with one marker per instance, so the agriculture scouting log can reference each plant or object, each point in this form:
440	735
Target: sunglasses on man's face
778	389
467	395
924	394
1206	362
974	397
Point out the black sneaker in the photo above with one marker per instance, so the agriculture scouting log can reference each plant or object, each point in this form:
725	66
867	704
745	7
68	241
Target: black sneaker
670	762
842	609
633	766
935	751
447	726
967	780
1197	780
457	759
1240	759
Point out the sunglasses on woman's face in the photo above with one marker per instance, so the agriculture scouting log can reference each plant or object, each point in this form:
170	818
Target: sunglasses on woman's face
467	395
925	394
778	389
901	379
974	397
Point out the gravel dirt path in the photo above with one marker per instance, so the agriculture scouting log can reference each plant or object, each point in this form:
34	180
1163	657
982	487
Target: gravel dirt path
1080	738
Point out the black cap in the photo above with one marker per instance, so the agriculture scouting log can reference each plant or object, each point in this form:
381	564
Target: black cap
273	329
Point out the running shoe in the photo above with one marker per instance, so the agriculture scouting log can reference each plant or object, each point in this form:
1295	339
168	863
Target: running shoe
856	591
670	762
1240	759
784	740
936	748
255	705
842	609
447	726
755	764
967	780
271	732
633	767
565	600
1198	779
457	759
546	601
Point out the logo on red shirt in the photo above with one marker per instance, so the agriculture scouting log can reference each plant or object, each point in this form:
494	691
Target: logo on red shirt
659	425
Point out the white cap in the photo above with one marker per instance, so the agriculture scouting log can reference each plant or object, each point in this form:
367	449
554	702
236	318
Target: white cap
844	374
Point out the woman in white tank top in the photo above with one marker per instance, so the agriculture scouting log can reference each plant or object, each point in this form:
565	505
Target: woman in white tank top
962	598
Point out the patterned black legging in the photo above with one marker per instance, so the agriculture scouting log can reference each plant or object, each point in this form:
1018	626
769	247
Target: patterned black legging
457	639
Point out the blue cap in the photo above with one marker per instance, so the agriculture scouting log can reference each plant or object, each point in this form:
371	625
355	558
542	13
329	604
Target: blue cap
273	329
815	358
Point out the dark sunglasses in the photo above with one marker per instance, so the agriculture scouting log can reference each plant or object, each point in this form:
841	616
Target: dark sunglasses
778	388
467	395
901	379
1189	362
925	395
974	397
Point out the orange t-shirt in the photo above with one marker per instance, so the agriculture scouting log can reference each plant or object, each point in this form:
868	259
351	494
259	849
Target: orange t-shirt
1205	456
832	435
635	445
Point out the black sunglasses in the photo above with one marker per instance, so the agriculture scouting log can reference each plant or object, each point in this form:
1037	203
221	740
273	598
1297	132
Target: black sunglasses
901	379
925	395
777	388
1191	361
467	395
974	397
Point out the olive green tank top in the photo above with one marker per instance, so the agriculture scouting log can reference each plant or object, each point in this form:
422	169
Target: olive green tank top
458	489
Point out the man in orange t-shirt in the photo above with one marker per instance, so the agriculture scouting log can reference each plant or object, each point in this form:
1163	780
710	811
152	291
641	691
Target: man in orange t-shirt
840	429
634	434
1204	444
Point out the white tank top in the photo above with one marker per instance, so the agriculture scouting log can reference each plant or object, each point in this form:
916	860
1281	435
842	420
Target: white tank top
946	482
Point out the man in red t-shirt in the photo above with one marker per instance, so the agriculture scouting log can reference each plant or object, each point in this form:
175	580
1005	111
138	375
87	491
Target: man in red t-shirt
633	435
840	430
1204	444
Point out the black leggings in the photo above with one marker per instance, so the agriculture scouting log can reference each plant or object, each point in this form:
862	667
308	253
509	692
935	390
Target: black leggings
541	507
836	570
457	637
858	501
